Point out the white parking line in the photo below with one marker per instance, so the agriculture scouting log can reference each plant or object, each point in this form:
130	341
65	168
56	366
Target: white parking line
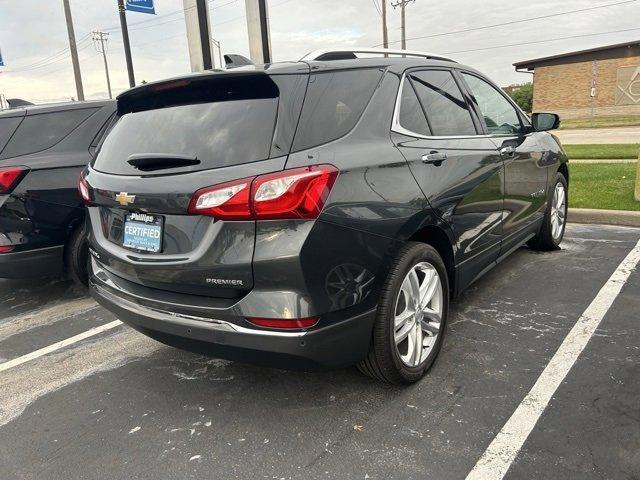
58	345
45	316
502	451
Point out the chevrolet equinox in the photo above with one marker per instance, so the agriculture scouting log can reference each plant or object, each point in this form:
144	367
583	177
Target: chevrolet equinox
319	213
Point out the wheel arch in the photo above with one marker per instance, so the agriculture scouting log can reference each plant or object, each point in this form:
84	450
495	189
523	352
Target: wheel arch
437	237
564	170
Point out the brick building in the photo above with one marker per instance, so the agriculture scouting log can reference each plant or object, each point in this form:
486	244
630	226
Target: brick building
598	81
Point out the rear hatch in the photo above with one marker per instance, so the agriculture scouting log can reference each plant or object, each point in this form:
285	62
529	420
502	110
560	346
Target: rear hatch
171	139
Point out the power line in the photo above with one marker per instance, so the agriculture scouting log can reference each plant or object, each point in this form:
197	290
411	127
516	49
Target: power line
46	60
375	4
541	41
63	55
133	26
513	22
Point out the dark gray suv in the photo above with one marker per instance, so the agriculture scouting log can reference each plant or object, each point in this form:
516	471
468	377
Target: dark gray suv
318	213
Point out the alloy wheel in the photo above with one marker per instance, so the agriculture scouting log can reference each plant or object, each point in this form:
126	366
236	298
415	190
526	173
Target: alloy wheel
558	211
418	314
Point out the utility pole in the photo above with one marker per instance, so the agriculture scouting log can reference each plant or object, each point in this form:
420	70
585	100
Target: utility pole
385	34
101	47
74	50
402	4
219	46
125	41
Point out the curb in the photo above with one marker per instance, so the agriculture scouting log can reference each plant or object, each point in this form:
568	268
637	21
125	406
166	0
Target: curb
608	217
602	160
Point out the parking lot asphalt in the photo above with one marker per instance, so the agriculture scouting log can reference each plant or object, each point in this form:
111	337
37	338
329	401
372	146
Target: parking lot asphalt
117	405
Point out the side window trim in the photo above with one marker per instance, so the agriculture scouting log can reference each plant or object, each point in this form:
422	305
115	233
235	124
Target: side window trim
524	128
395	124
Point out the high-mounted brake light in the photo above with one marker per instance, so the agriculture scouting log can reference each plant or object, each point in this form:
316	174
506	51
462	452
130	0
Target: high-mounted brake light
284	323
10	177
83	190
296	193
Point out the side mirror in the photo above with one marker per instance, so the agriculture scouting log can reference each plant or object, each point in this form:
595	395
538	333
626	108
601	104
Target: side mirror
545	121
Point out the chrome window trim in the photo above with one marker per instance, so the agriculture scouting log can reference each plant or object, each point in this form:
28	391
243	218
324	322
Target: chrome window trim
397	128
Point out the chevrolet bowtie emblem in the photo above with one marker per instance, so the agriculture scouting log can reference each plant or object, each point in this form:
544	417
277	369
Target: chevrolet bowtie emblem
123	198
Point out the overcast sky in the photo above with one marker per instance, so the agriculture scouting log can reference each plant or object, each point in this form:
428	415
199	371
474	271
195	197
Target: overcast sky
33	36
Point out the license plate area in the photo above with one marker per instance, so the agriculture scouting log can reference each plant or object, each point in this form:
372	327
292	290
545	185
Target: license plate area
143	232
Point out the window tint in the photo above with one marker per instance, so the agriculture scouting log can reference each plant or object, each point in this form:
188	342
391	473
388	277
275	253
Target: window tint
7	127
43	130
219	134
411	115
447	111
333	105
499	115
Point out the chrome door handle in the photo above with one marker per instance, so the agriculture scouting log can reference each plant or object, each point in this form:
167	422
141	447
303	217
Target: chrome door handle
509	150
434	157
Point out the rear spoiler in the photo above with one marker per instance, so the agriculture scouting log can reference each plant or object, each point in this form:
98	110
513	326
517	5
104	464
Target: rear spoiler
206	87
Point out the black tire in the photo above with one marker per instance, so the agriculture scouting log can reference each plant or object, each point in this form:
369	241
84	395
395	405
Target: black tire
76	257
383	361
544	240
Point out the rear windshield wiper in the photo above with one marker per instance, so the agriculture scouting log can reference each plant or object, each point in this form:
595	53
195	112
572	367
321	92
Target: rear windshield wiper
149	162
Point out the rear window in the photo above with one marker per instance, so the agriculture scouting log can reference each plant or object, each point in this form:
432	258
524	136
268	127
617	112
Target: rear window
221	122
43	130
7	127
333	105
217	134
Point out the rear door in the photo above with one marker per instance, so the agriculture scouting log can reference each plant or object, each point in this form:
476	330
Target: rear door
525	172
459	171
171	140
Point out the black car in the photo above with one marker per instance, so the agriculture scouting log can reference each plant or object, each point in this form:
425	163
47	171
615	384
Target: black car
43	149
319	213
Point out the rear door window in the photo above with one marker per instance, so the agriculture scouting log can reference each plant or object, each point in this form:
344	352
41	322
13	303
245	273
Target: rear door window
447	111
334	103
43	130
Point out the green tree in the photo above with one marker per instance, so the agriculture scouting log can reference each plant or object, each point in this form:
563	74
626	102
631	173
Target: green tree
523	96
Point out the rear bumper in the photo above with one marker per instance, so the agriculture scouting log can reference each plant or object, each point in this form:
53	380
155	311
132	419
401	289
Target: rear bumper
41	262
342	343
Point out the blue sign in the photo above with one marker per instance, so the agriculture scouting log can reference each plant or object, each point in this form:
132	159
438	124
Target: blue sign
142	6
1	59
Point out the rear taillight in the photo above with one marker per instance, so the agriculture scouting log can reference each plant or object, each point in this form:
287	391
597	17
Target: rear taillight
284	323
83	189
10	177
6	248
296	193
227	201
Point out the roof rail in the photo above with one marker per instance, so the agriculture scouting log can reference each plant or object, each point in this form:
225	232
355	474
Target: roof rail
350	53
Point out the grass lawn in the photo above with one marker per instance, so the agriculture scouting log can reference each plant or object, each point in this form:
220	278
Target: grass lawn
601	122
607	186
608	151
